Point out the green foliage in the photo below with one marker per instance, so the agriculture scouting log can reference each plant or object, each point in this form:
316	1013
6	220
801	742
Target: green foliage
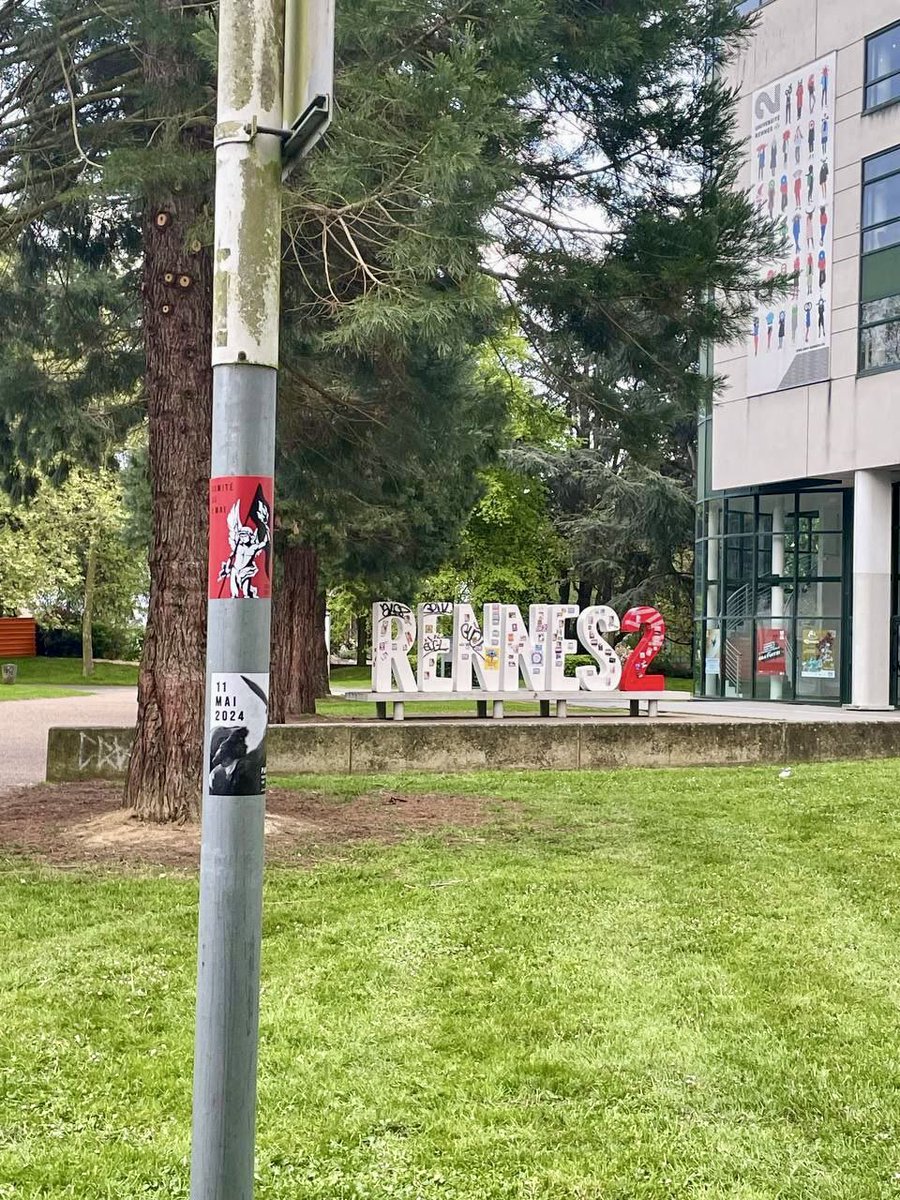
634	985
572	165
508	549
86	136
381	479
44	548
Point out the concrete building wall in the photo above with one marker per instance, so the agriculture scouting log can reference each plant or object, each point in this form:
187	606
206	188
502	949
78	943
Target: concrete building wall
835	428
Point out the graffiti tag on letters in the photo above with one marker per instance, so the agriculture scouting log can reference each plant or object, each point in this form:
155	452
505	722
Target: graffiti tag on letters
394	610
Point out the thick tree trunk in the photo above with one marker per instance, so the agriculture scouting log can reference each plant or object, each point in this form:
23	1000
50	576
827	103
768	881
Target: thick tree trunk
362	637
164	773
296	634
87	615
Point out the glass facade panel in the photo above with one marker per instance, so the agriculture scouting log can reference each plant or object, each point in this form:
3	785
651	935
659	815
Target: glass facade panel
883	92
748	6
879	331
879	346
880	310
826	508
775	604
737	659
818	598
882	236
883	67
738	566
881	164
881	200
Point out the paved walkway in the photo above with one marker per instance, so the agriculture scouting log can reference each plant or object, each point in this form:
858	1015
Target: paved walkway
759	710
24	725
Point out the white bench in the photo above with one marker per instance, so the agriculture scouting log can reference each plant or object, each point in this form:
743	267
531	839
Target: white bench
496	700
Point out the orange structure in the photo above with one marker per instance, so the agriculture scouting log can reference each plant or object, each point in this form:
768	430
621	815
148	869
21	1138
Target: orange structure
18	637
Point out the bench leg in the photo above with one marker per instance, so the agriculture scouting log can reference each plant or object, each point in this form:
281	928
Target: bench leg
381	709
544	708
561	709
634	708
481	706
652	708
497	710
398	710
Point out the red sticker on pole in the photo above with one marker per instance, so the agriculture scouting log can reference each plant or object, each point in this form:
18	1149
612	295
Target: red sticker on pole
240	537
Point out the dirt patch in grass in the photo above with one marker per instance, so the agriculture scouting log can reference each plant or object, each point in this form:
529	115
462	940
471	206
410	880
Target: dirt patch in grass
70	824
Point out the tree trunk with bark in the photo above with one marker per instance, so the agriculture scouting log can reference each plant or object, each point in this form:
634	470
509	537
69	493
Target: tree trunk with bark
296	635
362	638
164	773
585	591
165	770
87	614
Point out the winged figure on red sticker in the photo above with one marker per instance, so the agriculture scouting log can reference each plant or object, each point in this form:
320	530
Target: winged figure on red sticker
247	543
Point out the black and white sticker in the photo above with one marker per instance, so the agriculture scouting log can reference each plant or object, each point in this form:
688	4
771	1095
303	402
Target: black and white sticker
237	746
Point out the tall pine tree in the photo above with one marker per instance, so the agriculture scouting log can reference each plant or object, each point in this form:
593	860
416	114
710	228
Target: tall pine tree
469	142
105	138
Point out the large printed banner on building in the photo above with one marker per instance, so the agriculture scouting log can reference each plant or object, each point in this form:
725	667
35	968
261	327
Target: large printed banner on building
792	168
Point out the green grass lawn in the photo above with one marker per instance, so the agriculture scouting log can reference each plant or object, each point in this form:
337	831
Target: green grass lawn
68	670
641	985
35	691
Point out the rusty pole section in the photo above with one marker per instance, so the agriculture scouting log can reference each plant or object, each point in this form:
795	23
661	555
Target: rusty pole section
245	360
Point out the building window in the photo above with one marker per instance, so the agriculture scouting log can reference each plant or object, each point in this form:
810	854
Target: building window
883	67
879	313
771	610
749	6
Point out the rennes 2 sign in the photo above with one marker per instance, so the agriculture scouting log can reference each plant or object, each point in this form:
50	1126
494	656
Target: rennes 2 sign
494	653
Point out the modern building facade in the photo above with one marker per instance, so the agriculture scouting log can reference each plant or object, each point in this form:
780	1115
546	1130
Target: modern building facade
797	527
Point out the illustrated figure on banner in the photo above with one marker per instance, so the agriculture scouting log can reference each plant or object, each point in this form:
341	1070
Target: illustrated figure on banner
247	543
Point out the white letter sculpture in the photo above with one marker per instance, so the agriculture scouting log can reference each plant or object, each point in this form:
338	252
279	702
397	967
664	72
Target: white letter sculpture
560	648
393	636
525	647
476	649
432	643
592	624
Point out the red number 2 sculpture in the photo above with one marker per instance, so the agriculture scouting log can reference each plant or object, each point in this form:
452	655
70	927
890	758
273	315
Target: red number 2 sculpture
650	624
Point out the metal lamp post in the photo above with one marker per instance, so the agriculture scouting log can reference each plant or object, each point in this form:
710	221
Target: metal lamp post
252	150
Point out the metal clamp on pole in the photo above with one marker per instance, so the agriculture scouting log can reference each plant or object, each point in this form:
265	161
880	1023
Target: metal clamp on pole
305	132
234	133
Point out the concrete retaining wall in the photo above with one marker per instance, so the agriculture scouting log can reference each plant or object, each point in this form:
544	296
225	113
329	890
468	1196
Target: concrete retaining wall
357	748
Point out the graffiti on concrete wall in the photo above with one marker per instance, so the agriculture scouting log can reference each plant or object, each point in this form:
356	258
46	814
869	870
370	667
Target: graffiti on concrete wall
103	751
